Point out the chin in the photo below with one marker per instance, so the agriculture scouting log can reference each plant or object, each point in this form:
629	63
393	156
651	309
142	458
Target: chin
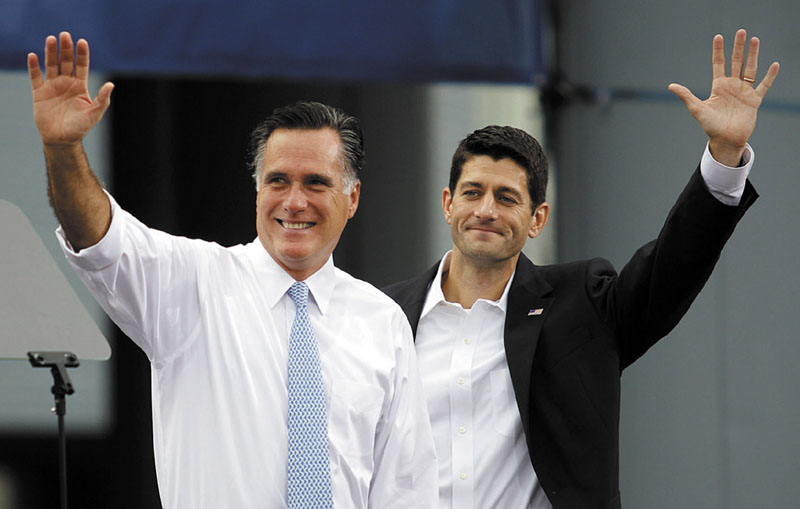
295	258
486	254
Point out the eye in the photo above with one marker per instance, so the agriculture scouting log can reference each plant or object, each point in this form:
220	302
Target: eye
471	193
507	199
318	182
276	179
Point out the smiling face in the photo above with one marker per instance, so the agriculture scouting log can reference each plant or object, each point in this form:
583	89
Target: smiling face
302	205
489	212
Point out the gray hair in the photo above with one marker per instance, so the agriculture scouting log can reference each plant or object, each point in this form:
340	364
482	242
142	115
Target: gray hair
312	115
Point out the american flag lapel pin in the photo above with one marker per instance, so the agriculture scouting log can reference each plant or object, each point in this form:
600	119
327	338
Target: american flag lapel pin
535	312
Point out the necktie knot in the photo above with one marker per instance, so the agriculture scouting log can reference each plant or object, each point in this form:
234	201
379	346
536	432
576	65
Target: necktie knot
299	293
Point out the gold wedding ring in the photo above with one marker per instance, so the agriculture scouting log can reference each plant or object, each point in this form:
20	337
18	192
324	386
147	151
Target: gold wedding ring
749	80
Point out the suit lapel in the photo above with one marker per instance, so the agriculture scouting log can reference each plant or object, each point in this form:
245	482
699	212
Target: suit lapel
529	303
411	296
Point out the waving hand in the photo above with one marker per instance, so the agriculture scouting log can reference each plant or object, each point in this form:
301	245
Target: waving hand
728	116
63	110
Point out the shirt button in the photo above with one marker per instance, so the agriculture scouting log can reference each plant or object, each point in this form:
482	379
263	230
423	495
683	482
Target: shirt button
466	341
462	429
463	476
461	380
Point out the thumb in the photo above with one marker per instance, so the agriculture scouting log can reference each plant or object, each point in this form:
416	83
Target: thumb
102	101
104	95
685	95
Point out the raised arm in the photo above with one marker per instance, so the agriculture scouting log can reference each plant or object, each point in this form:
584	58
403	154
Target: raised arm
728	116
64	113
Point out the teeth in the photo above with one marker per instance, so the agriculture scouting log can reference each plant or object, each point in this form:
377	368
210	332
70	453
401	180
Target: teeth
296	226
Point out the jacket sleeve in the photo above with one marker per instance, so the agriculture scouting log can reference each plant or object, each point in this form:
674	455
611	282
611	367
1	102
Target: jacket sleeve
650	295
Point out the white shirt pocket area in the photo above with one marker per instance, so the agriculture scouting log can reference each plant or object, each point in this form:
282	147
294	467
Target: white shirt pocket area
354	412
505	415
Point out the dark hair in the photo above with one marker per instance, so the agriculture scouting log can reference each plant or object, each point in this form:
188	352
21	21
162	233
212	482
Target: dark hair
312	115
499	142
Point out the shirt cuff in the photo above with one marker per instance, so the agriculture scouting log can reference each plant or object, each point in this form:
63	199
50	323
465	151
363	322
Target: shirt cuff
726	184
105	251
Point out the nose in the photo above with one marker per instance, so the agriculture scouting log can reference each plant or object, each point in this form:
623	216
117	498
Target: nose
486	209
295	200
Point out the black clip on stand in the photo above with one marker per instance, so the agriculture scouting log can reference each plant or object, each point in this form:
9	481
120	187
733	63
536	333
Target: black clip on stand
58	362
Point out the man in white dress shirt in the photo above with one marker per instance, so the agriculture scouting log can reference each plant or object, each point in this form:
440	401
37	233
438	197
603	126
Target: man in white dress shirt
521	364
216	322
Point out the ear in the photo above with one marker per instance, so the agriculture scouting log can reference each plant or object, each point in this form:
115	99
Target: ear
447	203
353	198
539	220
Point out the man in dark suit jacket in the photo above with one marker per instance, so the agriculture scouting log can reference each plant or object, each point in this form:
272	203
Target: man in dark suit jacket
489	324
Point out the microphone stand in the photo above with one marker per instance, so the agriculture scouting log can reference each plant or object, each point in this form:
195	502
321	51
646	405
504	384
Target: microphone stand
58	362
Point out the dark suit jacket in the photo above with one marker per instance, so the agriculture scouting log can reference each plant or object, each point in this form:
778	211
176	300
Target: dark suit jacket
566	362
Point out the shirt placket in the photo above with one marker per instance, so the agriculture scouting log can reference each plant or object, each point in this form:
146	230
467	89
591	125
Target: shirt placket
461	410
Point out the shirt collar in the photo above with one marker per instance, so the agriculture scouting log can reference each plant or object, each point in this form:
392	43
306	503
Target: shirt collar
436	296
277	281
321	284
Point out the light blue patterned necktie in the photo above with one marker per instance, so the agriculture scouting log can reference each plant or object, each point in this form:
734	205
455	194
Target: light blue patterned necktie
308	468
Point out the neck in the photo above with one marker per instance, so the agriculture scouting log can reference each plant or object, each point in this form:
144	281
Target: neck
467	281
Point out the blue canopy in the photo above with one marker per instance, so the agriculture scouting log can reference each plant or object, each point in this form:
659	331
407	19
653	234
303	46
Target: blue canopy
409	41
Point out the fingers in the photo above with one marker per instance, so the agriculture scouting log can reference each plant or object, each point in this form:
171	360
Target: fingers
772	73
737	56
718	57
66	54
747	72
63	63
752	61
34	72
82	60
51	57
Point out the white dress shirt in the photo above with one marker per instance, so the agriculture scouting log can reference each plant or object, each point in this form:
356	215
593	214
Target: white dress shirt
483	455
215	323
480	443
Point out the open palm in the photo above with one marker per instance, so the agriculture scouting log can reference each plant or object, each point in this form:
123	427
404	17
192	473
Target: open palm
63	110
728	116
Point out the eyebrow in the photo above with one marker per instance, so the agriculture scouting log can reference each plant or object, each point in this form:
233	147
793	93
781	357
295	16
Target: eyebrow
323	179
273	174
502	189
313	178
510	190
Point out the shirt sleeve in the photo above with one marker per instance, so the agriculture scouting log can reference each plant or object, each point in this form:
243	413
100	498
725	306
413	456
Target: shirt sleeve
726	184
144	279
406	472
